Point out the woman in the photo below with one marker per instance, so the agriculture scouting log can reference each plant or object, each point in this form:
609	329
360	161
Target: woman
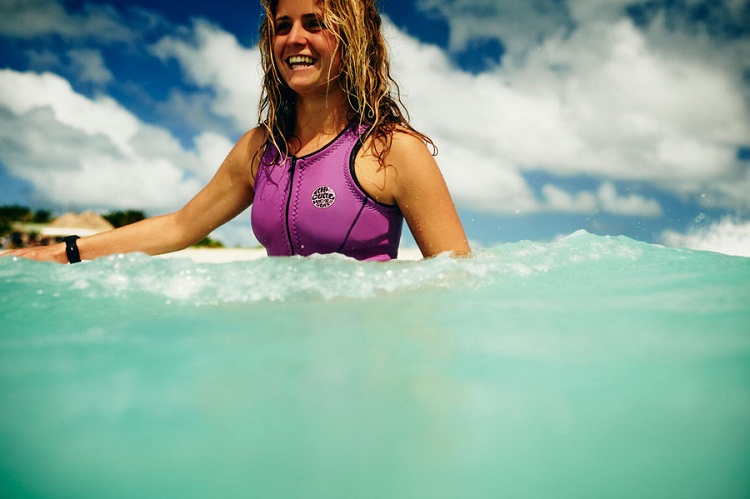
334	165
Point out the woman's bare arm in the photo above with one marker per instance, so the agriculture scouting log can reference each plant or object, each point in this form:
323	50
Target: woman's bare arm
228	193
422	195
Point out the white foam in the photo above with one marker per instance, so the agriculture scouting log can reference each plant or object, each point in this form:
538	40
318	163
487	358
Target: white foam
226	255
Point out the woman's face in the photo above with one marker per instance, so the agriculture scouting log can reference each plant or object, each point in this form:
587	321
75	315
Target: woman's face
305	51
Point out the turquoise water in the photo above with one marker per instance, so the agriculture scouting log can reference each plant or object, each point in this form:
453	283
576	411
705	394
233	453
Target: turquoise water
587	367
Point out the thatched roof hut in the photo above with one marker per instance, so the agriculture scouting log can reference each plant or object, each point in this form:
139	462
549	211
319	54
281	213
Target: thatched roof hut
82	224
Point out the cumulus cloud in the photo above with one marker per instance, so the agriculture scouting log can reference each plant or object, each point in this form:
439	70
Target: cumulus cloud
605	200
592	95
521	25
90	66
25	19
491	131
611	201
214	60
85	152
728	236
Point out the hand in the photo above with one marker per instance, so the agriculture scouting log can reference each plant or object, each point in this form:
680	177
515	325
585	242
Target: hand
54	253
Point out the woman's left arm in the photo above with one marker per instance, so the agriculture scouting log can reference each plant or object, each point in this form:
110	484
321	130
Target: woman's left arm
422	195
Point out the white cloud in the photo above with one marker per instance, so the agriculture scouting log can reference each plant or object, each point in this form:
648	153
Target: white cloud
611	201
481	182
43	59
727	236
30	19
215	61
22	92
211	148
586	11
603	100
90	66
561	200
517	23
605	200
86	152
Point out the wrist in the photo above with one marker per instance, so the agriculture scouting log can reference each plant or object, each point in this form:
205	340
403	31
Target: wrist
72	254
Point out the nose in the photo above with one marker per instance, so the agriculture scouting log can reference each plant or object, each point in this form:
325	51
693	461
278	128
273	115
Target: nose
297	35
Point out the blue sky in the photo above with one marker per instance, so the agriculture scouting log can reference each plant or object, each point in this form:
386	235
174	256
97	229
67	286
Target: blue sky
617	116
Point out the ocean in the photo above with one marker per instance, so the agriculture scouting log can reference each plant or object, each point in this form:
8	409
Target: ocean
587	367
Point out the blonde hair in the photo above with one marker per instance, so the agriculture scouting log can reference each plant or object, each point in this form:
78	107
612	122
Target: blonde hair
374	97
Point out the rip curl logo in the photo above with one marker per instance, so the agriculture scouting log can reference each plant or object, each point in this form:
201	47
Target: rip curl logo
323	197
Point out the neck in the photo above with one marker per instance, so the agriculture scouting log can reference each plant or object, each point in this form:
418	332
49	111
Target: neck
320	118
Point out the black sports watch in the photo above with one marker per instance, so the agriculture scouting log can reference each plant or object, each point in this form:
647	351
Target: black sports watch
71	249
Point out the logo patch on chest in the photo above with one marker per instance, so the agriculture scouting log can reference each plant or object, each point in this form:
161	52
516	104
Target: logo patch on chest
323	197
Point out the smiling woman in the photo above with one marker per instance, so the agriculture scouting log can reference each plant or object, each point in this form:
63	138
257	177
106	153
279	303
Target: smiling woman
333	167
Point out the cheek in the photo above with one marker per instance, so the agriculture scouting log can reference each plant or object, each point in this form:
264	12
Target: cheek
336	65
278	49
334	52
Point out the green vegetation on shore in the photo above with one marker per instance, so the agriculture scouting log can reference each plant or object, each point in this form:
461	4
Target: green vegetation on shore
18	214
15	213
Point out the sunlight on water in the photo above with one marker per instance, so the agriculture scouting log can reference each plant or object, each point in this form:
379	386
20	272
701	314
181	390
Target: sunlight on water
586	367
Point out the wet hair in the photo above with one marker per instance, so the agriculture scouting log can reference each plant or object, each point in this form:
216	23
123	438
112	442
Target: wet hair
373	96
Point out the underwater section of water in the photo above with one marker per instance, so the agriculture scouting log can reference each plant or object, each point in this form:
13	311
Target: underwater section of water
587	367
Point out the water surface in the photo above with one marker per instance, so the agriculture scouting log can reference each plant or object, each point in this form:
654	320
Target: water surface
587	367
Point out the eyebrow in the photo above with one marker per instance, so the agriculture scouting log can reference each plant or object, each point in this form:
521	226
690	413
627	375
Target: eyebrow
305	17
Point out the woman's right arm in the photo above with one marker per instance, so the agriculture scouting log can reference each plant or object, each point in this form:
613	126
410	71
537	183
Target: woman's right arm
228	193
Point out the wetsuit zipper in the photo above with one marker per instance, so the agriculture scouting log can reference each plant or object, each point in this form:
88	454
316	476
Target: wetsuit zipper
289	202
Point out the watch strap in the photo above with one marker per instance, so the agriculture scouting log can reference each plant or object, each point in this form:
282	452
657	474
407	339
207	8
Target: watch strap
71	249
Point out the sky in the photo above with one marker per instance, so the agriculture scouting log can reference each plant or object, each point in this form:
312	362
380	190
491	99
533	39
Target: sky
617	117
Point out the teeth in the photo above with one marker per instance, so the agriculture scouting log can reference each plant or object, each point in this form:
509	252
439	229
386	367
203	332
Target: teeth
301	60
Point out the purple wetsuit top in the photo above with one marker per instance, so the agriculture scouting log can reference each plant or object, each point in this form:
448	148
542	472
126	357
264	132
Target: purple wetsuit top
314	204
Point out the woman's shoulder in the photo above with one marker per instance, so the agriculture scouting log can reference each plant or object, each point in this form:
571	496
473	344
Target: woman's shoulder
408	137
406	144
251	143
254	137
246	152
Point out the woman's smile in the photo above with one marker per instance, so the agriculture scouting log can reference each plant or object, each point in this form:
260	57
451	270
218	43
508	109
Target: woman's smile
300	61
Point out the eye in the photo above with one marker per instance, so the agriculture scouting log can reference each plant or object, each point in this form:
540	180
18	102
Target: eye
283	27
314	25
